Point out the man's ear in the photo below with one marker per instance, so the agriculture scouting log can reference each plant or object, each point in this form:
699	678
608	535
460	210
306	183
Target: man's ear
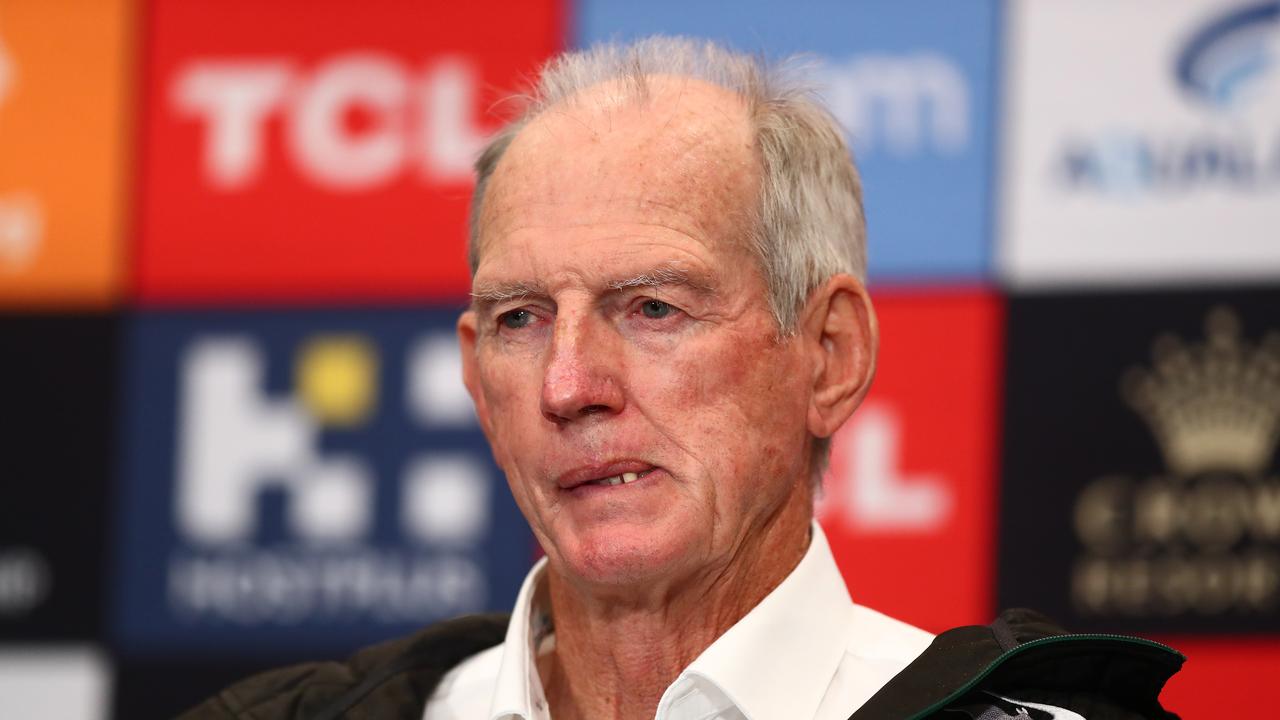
470	370
840	331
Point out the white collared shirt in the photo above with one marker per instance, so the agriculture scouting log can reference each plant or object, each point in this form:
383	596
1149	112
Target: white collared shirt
806	651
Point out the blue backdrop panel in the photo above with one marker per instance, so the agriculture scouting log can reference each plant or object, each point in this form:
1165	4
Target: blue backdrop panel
913	82
296	482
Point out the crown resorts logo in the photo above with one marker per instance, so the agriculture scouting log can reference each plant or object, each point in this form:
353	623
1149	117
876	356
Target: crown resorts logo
1215	406
1204	537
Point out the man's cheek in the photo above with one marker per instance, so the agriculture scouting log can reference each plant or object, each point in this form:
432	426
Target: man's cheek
502	420
730	380
705	403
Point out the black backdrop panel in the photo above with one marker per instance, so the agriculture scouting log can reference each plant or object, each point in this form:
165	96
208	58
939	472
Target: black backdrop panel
1141	490
57	382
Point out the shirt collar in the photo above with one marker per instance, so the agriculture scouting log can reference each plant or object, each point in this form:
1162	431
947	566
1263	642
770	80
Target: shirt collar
777	661
519	693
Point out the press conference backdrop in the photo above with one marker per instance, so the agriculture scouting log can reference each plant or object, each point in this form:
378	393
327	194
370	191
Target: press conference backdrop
232	432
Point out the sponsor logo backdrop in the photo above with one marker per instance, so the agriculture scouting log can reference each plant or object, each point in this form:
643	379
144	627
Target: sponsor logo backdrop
1141	487
911	81
304	479
299	150
280	483
1153	156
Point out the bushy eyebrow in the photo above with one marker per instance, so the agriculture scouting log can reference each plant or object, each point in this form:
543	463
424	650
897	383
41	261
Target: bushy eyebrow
660	276
485	296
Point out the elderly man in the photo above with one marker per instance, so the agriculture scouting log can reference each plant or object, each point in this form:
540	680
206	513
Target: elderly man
665	326
669	321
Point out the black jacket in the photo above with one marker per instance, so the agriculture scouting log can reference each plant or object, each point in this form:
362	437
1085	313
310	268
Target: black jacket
983	672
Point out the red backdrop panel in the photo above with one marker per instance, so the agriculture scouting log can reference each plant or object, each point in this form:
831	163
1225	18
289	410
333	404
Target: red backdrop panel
909	500
1223	677
319	150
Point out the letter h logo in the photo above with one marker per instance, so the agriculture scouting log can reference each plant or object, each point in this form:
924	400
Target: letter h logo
236	443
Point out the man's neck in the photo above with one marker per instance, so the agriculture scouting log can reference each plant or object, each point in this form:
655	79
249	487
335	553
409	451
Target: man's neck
614	660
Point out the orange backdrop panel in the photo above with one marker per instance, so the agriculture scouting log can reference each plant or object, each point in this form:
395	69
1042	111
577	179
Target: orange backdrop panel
64	99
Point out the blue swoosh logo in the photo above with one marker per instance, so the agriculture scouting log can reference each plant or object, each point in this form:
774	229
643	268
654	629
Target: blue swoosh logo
1224	56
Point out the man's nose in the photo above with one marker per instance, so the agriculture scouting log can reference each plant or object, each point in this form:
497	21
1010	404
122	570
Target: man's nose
582	371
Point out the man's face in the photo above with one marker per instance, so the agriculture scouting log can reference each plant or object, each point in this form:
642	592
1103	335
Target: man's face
622	330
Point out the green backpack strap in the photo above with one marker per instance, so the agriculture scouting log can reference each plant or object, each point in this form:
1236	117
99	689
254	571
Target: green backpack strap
1024	655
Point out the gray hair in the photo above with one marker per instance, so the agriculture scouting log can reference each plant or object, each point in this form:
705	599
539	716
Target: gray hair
809	224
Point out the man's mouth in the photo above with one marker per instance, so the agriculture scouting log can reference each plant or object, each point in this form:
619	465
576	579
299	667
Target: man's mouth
623	479
609	474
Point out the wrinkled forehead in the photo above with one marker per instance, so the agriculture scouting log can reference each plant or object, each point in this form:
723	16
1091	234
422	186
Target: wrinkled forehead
683	150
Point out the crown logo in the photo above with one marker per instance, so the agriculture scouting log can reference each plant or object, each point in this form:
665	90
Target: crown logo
1213	405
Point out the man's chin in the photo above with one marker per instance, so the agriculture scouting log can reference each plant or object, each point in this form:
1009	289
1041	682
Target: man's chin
621	555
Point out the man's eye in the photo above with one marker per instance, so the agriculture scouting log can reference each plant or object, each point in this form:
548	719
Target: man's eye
656	309
515	319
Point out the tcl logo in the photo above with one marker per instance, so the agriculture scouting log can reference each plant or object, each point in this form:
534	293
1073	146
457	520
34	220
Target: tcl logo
354	122
319	151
